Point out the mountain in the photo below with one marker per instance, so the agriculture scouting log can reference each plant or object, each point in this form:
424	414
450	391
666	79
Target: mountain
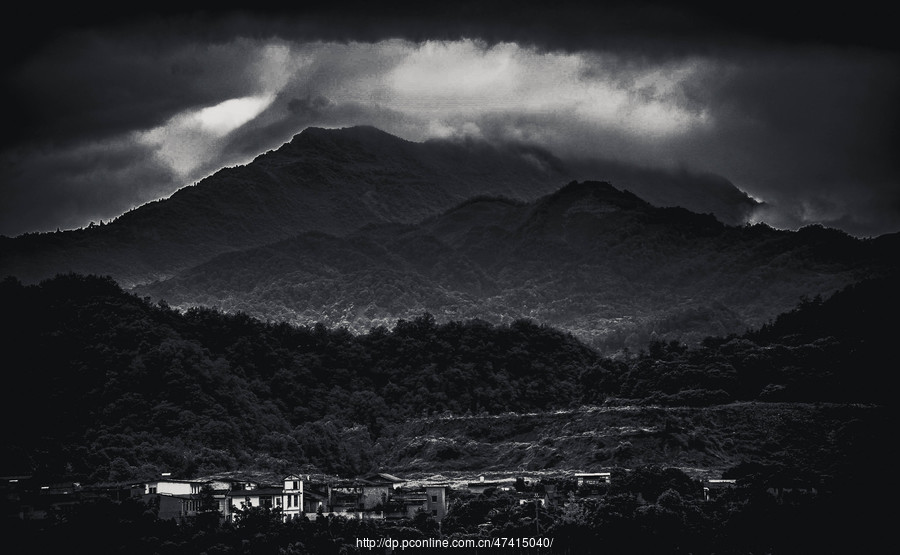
332	181
701	193
326	180
355	227
590	259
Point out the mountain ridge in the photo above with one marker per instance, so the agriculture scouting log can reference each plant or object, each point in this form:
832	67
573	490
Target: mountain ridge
325	180
331	180
588	258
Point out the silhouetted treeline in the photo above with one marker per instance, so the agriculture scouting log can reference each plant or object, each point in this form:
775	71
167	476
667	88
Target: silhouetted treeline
836	350
105	385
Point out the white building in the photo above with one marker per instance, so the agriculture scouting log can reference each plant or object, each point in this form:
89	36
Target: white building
291	501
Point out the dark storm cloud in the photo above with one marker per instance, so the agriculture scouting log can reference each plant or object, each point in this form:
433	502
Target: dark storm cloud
90	86
814	132
651	26
795	108
91	182
333	86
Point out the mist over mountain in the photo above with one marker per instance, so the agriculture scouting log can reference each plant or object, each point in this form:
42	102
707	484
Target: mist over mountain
600	263
701	193
332	181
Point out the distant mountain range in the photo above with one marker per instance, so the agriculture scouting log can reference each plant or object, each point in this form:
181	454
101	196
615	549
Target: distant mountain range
357	228
331	181
590	259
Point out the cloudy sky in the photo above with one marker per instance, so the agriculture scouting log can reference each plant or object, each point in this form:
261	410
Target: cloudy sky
105	111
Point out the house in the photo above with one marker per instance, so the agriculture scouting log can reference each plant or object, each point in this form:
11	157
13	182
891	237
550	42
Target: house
383	478
714	487
229	490
592	478
315	501
356	498
176	498
378	498
229	483
481	485
407	503
172	487
359	494
437	501
270	497
291	500
175	506
179	499
375	494
432	500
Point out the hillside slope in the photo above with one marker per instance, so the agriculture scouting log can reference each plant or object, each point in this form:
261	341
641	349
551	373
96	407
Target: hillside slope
590	259
331	181
115	388
814	438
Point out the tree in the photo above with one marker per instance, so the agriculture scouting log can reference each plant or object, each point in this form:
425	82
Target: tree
257	520
208	514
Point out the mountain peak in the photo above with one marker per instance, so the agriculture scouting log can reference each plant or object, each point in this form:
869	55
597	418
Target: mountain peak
357	132
595	192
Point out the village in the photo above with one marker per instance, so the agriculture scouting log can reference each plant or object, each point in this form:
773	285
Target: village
378	496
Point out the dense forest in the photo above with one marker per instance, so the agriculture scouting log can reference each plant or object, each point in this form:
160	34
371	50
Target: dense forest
113	387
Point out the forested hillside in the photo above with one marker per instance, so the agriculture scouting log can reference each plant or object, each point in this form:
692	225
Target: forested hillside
589	259
106	385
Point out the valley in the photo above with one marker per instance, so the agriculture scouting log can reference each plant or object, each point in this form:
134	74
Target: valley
344	305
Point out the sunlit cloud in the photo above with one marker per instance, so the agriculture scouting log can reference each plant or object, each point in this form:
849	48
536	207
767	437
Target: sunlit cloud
783	124
441	76
227	116
192	138
446	82
436	89
189	138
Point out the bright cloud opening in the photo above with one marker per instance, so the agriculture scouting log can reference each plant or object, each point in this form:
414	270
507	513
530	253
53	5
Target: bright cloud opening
227	116
191	137
465	79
